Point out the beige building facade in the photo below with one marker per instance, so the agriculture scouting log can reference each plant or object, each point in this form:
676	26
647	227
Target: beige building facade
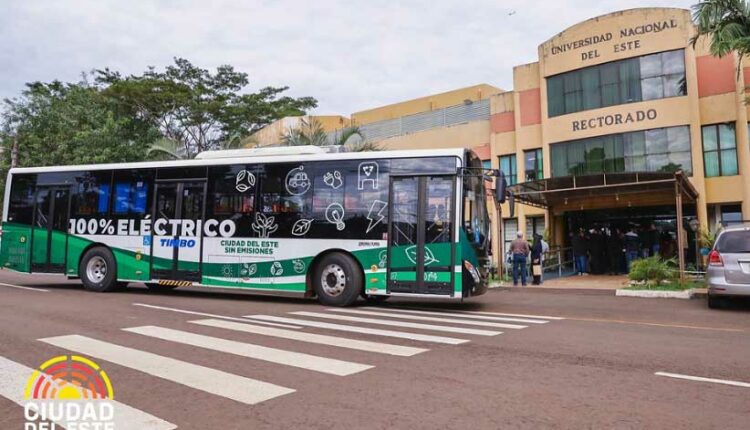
625	92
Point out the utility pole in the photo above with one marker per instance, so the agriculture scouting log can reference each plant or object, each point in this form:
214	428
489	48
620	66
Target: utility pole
14	152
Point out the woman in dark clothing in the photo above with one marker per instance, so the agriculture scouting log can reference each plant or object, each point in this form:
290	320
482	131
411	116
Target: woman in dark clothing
536	259
614	251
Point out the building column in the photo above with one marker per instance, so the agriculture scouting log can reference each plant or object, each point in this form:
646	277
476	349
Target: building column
743	144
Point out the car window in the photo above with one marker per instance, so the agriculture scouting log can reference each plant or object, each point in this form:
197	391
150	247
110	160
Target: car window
734	242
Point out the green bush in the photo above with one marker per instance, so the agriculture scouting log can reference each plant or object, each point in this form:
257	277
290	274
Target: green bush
652	270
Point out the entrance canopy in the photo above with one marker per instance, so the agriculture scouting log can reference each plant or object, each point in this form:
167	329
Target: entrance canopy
605	190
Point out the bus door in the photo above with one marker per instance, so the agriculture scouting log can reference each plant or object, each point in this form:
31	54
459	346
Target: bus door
421	249
177	230
49	237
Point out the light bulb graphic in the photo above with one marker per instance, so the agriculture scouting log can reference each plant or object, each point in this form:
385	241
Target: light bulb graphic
335	215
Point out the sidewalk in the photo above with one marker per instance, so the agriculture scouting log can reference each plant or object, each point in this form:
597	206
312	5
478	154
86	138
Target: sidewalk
589	282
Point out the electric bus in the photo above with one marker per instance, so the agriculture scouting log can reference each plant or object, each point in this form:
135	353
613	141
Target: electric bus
304	220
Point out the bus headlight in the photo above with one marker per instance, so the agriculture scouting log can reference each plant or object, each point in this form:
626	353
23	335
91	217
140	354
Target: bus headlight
472	271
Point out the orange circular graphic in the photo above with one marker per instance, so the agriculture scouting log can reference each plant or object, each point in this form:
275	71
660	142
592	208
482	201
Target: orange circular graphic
69	377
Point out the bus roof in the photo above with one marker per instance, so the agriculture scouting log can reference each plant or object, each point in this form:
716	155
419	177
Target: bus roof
254	159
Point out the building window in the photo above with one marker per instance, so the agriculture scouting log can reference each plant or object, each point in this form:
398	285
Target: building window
719	150
631	80
655	150
508	166
731	214
510	227
533	164
534	225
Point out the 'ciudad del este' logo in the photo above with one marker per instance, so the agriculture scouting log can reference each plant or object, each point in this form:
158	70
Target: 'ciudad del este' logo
69	391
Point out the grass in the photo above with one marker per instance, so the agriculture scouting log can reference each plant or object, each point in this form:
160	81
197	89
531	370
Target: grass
672	285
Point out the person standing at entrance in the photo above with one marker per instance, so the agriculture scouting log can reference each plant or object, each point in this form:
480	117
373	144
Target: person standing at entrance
520	250
632	246
614	251
536	260
580	249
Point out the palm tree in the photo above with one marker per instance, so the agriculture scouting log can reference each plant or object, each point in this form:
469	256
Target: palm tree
168	149
312	133
306	133
727	23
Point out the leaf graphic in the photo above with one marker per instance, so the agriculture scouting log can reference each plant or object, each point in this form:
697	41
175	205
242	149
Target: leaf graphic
411	253
429	257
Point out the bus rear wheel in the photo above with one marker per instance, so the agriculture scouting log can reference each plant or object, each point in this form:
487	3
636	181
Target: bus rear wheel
337	280
98	270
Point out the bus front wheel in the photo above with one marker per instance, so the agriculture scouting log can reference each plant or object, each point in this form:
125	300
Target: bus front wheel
98	270
337	280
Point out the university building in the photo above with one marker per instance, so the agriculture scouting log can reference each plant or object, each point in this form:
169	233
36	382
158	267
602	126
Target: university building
621	121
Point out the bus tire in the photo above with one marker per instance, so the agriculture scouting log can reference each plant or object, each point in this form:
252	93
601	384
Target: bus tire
98	270
337	280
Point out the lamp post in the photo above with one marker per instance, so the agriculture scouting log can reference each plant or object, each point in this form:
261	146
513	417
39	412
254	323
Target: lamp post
694	225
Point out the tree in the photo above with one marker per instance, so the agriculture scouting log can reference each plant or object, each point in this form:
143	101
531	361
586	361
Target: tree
311	132
308	132
58	123
727	23
199	109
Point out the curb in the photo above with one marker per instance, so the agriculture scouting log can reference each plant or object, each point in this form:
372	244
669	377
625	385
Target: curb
655	294
553	290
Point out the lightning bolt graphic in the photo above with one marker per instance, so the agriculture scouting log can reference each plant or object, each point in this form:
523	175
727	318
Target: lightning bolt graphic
376	214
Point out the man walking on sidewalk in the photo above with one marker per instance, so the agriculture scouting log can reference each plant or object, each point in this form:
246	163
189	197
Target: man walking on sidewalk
519	248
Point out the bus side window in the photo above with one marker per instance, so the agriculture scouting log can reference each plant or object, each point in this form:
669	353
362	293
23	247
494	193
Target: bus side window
91	194
366	198
232	195
131	194
21	206
285	198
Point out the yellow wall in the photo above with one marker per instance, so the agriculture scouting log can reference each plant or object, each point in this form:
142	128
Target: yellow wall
425	104
467	135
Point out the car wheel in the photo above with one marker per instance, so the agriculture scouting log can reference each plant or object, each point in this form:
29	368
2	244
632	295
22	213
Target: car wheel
716	302
337	280
98	270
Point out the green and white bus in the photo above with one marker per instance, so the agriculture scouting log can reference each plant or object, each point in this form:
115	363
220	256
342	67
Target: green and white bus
301	220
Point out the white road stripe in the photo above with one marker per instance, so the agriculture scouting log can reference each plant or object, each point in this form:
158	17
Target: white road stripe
40	290
361	345
203	314
702	379
13	378
295	359
425	318
363	330
403	324
456	315
235	387
542	317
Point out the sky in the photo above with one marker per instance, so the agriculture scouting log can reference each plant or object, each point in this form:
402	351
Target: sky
350	55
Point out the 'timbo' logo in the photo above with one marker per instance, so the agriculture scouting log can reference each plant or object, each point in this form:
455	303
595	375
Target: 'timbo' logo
71	391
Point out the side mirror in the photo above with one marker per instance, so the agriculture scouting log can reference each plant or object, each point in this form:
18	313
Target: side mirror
500	185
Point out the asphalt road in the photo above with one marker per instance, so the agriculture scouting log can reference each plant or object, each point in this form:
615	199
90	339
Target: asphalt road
563	359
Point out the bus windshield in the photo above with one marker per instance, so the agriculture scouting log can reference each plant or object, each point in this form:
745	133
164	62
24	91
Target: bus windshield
476	220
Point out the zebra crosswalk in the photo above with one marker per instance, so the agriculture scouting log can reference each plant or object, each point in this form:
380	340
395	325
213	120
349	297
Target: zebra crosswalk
374	333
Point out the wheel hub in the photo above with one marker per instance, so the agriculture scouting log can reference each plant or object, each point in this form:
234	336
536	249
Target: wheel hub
333	280
96	269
